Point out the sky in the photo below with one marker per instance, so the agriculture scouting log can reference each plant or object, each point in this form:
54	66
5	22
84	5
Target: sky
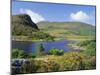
55	12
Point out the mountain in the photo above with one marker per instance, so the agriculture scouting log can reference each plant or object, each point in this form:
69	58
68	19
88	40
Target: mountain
68	28
23	25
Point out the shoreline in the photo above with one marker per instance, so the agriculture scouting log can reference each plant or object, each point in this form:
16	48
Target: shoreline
25	38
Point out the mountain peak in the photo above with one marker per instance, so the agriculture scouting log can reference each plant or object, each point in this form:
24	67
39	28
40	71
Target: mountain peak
24	19
23	23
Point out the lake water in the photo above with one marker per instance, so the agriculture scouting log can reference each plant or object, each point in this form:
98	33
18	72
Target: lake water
32	46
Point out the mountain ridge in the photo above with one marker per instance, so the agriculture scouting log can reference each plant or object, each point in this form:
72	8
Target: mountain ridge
78	28
23	25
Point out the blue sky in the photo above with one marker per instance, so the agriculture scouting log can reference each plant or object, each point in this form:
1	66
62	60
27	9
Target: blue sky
55	12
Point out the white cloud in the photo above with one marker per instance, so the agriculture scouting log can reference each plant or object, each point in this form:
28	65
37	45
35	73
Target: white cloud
34	16
80	16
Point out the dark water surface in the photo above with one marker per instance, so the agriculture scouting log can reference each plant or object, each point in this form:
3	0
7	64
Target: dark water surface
33	46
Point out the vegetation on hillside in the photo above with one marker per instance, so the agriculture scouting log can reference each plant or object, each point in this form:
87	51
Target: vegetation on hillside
22	25
67	28
90	47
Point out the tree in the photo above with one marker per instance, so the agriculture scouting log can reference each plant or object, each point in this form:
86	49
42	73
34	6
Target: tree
41	50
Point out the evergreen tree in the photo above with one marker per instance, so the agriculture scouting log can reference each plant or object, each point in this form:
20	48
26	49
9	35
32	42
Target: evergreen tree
41	50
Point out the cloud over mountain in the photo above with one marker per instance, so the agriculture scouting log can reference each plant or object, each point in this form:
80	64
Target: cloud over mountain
80	16
34	16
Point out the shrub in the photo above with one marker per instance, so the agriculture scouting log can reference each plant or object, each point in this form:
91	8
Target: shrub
90	47
30	67
18	53
40	66
71	61
41	35
31	55
56	52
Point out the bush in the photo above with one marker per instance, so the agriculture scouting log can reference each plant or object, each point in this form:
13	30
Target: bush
77	61
71	61
41	35
29	67
18	53
56	52
39	66
31	55
90	47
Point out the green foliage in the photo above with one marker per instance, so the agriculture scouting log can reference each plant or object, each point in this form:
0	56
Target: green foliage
74	61
41	35
40	66
68	62
22	25
70	28
85	43
90	47
31	55
56	52
29	67
40	50
18	53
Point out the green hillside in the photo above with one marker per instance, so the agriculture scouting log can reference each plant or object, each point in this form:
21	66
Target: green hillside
23	25
23	28
67	29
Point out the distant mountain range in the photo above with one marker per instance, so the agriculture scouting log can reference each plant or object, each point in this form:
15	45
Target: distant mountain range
23	25
73	28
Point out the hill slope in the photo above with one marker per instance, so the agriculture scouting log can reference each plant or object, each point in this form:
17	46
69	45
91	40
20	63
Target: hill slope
23	25
68	28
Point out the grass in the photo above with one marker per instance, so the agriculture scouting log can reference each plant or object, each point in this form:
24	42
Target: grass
77	38
26	38
80	38
69	28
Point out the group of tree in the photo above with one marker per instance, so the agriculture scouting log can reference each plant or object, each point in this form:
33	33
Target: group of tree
41	36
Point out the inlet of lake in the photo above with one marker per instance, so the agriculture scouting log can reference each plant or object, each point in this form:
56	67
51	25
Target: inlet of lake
32	46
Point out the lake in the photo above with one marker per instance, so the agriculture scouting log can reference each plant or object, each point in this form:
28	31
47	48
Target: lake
32	46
